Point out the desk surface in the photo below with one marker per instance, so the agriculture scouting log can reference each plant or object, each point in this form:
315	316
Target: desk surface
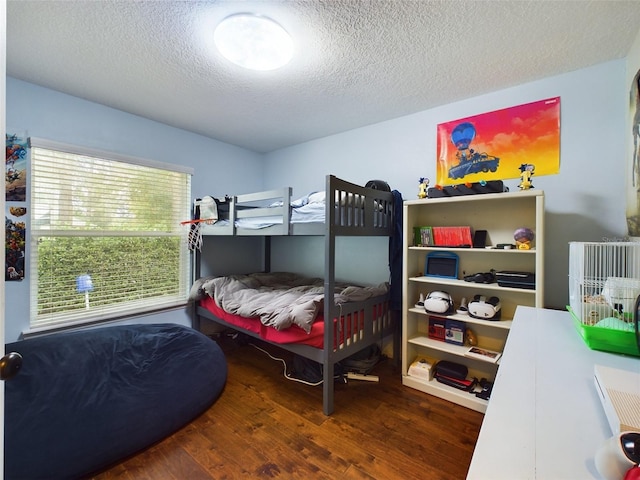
544	419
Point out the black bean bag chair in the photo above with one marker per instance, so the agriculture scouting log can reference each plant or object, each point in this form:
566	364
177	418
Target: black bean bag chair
85	400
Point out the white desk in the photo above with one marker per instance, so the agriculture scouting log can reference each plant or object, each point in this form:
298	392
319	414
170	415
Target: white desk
544	419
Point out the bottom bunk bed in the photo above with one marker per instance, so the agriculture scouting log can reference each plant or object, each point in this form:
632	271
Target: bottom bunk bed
291	316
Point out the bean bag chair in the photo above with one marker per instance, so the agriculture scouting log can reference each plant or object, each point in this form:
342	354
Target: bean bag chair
85	400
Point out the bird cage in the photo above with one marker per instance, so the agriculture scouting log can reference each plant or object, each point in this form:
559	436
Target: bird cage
604	286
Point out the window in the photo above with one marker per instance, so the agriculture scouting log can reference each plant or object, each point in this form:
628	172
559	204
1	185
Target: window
106	239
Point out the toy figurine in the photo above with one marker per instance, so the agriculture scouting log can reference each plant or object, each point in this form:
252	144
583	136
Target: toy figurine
471	337
523	237
423	184
526	172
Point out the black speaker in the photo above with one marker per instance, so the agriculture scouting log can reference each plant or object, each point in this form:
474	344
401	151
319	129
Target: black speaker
479	239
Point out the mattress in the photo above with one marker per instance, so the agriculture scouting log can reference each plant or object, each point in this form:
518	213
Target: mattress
310	213
308	209
293	334
344	328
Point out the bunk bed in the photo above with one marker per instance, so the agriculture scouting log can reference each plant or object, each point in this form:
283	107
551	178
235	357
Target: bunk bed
344	325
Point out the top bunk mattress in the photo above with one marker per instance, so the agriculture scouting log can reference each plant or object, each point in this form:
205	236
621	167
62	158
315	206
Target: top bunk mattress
302	211
274	212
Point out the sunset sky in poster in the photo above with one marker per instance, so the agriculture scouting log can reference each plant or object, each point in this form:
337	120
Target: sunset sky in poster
528	133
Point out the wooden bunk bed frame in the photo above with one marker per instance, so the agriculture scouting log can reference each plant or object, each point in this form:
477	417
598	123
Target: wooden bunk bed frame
350	210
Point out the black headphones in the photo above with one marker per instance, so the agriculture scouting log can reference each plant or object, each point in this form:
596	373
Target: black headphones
486	277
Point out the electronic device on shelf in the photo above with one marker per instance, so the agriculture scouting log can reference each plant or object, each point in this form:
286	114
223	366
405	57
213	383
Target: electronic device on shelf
480	239
441	264
515	279
438	302
619	393
485	308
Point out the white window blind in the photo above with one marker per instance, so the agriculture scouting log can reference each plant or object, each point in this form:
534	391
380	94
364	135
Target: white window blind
106	239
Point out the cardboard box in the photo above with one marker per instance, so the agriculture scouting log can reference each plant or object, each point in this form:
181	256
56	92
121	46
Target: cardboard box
421	368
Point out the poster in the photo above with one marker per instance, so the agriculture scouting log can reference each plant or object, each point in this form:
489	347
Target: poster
15	228
501	144
633	207
16	168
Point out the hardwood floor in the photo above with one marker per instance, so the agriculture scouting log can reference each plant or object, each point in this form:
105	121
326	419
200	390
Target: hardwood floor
265	426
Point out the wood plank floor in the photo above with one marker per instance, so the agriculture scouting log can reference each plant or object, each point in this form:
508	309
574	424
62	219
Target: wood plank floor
265	426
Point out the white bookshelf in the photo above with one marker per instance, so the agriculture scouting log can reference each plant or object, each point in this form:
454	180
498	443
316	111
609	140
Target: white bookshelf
500	214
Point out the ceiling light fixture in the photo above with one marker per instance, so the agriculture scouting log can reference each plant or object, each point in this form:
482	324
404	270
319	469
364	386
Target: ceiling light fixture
253	41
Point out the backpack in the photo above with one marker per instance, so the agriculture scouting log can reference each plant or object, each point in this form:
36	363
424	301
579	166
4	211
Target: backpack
311	371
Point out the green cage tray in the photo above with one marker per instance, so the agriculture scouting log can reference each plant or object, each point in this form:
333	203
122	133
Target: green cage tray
607	339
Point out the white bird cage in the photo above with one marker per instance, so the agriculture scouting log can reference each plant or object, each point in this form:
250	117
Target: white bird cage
604	283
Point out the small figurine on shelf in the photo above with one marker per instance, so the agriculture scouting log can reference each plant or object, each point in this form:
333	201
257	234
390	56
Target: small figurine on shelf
526	172
420	302
422	186
523	237
471	338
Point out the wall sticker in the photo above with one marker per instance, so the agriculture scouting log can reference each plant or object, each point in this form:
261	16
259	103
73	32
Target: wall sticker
15	228
16	168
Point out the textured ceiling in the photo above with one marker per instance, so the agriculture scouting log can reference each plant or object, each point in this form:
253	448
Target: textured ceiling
356	62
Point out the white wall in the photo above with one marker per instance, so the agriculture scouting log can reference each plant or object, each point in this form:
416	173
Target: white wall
219	168
585	202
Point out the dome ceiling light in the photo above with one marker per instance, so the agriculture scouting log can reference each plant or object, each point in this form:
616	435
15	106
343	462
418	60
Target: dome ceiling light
253	41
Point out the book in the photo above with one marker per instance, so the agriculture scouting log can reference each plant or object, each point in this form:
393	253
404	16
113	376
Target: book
454	331
483	354
437	328
451	236
422	236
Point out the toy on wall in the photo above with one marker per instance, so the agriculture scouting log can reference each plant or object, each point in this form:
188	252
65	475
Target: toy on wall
523	237
422	187
526	172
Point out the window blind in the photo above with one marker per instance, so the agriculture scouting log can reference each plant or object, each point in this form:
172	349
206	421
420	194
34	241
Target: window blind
106	239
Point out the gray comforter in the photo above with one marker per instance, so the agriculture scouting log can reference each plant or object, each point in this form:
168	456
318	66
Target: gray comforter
280	299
